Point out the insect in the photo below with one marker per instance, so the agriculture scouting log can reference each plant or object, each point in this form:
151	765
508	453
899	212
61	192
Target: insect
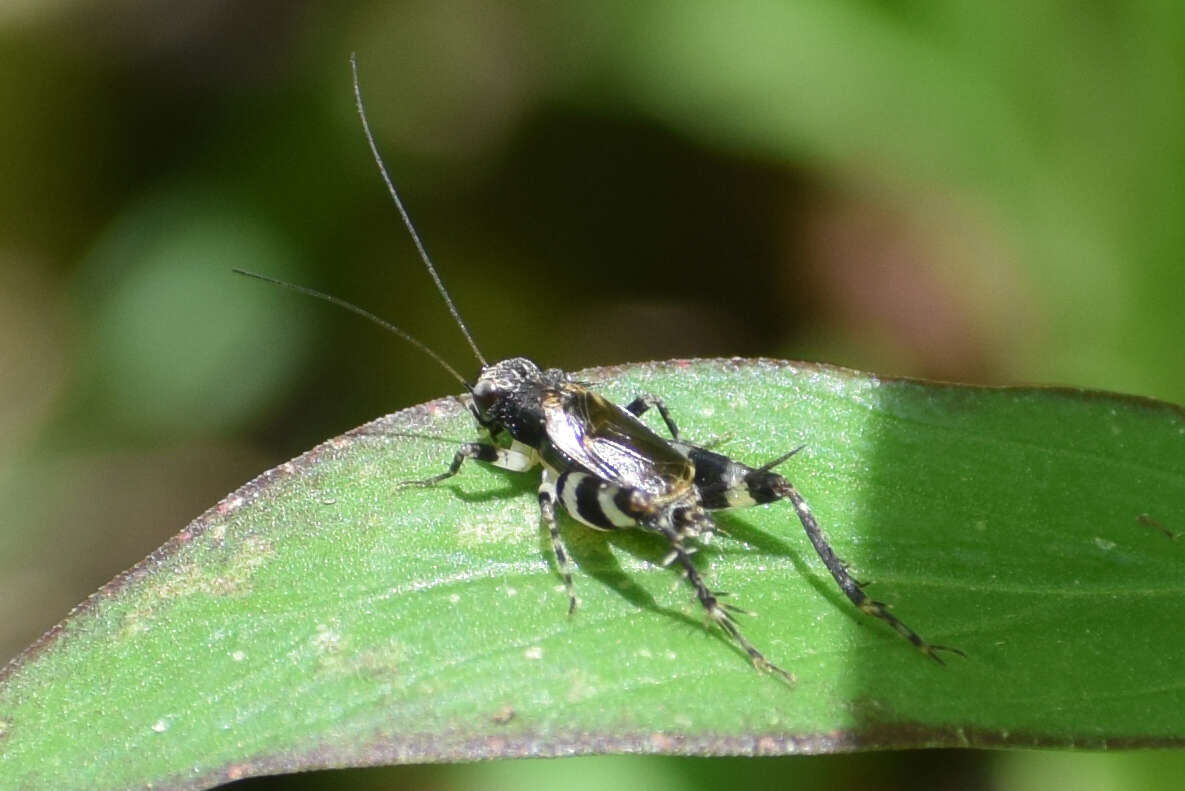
606	468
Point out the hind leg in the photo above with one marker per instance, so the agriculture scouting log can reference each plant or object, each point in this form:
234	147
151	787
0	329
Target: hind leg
718	613
762	485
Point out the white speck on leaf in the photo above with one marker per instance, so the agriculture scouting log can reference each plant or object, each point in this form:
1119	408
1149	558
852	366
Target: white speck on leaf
326	639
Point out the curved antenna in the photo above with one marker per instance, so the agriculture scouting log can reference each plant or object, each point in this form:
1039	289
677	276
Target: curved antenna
366	314
378	159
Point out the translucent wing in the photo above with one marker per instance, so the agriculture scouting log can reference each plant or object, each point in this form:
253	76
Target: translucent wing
613	444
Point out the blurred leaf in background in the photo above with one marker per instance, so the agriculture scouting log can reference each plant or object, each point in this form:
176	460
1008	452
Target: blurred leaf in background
960	190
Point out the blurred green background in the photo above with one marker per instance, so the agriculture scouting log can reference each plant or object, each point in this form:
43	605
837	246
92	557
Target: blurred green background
979	192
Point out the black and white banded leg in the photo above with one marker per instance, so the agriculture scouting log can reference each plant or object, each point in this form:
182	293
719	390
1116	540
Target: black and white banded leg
516	458
547	498
601	504
717	612
852	589
762	485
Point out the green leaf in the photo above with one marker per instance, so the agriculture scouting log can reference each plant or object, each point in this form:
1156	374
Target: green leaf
321	616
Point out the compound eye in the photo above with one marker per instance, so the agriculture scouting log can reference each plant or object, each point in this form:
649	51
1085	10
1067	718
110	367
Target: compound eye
484	396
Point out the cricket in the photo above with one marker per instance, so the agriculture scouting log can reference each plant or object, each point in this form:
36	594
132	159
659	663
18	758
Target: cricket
606	468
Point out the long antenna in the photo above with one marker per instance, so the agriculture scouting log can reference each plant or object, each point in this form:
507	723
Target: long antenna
378	159
366	314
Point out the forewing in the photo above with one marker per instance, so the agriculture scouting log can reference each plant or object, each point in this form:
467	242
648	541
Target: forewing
613	444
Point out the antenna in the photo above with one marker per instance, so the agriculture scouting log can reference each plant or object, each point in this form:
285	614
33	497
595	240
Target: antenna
378	160
366	314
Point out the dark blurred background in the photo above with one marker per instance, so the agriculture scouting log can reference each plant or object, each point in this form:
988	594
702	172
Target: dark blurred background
978	192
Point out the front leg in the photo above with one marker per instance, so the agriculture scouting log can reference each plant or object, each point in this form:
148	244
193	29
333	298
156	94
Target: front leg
547	497
517	458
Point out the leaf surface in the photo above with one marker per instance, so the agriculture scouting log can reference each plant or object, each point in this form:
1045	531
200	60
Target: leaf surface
322	616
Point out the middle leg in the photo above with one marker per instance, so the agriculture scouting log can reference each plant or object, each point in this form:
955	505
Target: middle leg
642	403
